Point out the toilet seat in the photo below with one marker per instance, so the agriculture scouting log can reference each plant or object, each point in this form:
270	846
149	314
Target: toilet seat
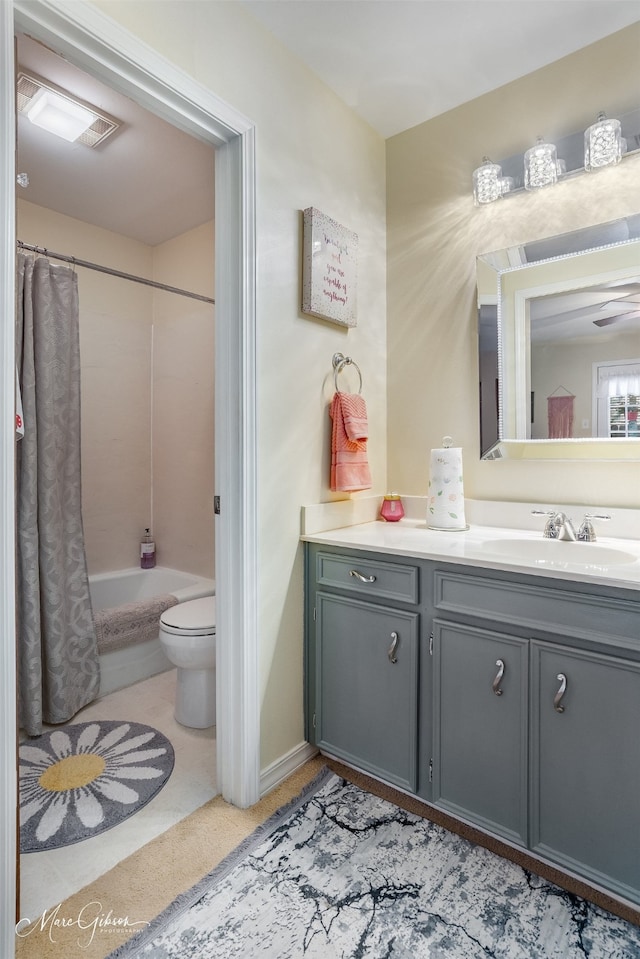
195	618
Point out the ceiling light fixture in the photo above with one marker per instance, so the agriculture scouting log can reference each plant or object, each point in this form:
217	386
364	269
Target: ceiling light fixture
59	115
57	111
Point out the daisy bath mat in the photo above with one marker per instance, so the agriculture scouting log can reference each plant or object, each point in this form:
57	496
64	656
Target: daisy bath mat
79	780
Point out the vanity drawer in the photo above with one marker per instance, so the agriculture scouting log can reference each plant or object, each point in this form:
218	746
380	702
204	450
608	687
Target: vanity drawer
534	608
370	577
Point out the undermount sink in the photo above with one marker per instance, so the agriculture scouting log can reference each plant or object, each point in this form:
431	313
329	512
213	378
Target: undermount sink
553	552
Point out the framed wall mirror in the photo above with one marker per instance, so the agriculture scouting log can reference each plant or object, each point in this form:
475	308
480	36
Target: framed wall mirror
559	346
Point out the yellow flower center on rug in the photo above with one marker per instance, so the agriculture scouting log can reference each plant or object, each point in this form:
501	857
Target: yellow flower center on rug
72	772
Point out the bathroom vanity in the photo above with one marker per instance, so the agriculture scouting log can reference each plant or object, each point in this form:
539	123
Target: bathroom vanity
501	683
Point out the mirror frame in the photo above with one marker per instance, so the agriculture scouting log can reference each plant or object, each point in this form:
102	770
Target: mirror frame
511	349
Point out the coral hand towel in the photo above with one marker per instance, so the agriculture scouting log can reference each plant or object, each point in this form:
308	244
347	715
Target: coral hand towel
349	465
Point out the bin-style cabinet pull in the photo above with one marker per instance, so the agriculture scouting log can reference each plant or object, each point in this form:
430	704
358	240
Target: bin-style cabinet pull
557	704
496	683
395	639
363	579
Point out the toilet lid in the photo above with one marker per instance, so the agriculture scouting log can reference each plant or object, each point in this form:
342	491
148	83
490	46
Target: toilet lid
196	616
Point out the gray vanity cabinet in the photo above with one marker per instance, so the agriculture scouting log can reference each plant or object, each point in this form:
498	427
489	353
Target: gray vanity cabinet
585	764
508	700
362	664
480	702
571	793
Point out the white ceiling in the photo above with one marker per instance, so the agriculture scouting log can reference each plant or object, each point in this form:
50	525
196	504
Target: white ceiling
395	62
398	63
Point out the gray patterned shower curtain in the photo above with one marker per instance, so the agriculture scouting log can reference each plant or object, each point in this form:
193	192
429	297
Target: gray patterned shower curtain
58	667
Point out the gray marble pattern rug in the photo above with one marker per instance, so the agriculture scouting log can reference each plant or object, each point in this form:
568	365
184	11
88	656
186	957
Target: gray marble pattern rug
342	874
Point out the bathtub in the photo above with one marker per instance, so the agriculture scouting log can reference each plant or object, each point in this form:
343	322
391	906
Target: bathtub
122	667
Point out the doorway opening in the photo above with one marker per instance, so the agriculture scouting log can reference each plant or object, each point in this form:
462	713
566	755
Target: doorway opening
143	205
94	42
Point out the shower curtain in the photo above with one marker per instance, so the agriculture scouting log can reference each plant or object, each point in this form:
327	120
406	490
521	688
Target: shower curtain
58	667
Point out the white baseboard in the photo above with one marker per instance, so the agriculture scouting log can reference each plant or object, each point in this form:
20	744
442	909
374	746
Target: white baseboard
274	774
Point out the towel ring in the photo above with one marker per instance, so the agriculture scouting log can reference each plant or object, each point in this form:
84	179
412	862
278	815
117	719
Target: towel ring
339	362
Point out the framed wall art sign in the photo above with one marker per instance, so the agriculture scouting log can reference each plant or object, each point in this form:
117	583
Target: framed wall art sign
329	272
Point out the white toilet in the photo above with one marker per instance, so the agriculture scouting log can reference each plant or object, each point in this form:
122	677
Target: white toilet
188	637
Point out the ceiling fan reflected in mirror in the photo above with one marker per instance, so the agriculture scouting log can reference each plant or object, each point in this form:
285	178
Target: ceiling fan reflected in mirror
630	312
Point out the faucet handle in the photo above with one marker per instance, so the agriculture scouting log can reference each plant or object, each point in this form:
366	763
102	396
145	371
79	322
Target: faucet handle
587	533
550	528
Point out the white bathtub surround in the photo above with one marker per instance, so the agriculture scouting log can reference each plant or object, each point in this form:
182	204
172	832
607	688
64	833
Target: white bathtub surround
128	585
122	667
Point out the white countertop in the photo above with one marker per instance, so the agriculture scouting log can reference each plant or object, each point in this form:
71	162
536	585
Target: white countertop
473	547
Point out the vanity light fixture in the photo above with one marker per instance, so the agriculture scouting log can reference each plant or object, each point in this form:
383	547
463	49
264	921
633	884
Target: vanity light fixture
603	143
57	111
540	165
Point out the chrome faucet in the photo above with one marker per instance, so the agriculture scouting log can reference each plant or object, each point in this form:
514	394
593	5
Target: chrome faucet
560	527
564	528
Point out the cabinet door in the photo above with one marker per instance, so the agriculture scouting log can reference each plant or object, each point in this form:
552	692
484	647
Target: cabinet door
480	727
367	686
585	773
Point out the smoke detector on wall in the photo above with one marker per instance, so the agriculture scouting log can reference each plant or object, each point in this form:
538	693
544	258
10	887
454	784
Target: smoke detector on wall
57	111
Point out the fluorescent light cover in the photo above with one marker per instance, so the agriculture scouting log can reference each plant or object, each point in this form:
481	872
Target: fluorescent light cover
58	115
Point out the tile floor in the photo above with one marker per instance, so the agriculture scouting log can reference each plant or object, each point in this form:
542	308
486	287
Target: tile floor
47	878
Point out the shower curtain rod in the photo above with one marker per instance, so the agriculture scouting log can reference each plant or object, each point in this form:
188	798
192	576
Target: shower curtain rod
43	251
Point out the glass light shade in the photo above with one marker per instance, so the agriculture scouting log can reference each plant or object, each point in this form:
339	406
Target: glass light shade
507	184
603	143
58	115
487	182
540	166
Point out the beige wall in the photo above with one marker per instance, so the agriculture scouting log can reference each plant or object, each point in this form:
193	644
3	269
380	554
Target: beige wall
434	236
183	387
311	151
117	319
